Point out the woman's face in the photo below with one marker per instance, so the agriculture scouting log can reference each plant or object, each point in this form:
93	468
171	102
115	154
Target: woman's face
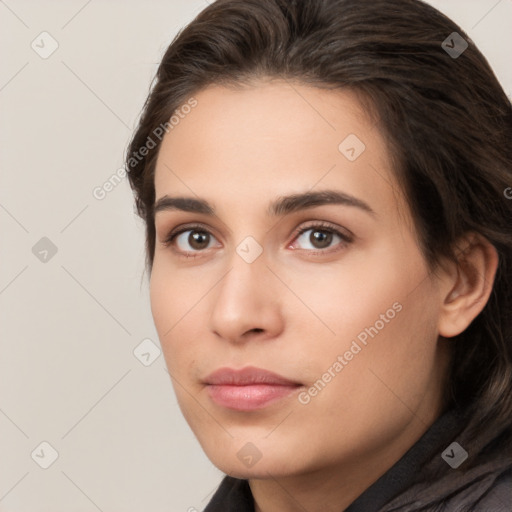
346	311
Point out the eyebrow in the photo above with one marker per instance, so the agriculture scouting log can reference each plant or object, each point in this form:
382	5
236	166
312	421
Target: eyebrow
283	205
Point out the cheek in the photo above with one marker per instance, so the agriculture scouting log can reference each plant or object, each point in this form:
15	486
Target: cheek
381	315
387	361
161	299
168	305
370	276
172	294
352	297
176	307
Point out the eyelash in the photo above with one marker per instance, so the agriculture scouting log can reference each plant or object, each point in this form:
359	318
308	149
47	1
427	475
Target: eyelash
318	226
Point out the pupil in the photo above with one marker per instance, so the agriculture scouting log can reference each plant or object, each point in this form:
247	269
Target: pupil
324	238
197	238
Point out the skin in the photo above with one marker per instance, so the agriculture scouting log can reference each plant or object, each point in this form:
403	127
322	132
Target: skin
294	312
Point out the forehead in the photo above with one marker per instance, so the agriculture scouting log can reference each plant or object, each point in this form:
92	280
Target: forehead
243	146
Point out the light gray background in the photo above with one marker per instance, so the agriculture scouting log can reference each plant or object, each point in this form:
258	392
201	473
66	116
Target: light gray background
69	326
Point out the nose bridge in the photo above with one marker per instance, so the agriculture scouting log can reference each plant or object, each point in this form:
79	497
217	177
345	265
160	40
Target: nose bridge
247	274
245	299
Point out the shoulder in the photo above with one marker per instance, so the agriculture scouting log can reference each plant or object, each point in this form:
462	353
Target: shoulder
498	497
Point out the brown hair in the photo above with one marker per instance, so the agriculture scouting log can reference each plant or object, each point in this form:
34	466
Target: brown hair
447	122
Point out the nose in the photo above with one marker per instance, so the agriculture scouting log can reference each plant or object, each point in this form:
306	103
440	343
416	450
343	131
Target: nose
247	304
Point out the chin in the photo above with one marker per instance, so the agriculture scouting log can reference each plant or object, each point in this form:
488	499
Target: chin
264	468
258	472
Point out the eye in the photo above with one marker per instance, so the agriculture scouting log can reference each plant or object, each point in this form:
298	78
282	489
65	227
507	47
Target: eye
190	239
321	237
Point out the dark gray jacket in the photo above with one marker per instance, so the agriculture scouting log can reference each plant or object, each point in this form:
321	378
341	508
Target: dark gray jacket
419	481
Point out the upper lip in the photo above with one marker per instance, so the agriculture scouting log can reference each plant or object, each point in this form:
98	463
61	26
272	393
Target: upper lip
247	376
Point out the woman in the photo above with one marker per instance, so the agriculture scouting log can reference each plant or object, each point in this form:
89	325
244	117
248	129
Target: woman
326	191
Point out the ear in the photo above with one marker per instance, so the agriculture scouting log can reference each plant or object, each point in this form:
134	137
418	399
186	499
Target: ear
466	286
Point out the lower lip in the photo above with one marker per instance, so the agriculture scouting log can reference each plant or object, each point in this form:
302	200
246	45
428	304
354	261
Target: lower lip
248	398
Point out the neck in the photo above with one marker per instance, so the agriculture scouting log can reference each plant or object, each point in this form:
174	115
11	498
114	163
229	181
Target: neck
334	488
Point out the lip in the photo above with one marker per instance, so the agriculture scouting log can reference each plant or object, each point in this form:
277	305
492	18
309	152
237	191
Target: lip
249	388
247	376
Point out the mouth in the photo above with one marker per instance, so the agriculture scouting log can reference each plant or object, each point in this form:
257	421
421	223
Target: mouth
248	389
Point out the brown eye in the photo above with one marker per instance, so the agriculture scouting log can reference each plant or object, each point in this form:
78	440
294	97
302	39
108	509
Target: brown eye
192	240
318	239
198	239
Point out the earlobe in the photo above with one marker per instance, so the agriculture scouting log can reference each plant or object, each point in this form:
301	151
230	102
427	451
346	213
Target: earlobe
469	285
